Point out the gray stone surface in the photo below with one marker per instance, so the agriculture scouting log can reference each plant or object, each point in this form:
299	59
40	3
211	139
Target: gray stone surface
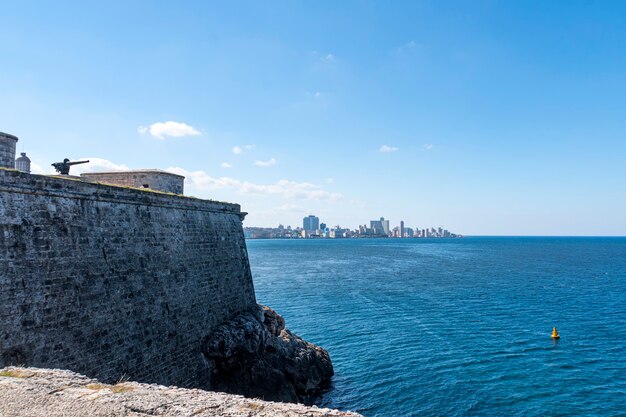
53	393
114	282
254	355
7	150
149	178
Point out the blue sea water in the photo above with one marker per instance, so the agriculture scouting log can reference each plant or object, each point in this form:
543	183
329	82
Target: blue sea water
457	327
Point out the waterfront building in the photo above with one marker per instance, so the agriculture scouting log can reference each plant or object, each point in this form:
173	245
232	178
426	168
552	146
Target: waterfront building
401	228
311	223
336	233
380	227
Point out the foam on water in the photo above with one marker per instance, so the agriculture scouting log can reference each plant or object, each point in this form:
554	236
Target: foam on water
457	327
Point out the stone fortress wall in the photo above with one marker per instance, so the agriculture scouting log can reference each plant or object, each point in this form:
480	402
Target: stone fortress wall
154	179
125	282
114	282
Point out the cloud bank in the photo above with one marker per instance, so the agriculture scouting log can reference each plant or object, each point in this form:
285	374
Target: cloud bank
200	180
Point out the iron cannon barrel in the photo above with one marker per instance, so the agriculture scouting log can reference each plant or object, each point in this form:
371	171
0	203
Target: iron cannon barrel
64	167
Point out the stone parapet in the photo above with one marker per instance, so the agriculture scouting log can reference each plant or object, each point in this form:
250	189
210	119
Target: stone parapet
153	179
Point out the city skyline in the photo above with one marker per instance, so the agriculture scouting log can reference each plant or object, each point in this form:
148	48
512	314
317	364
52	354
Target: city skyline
493	118
312	228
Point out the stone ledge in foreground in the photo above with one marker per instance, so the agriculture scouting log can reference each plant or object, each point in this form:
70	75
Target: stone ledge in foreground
37	392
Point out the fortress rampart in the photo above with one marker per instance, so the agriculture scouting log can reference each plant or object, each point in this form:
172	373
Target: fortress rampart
154	179
114	282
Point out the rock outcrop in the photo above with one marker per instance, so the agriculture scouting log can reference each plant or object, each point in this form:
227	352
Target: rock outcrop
254	355
30	392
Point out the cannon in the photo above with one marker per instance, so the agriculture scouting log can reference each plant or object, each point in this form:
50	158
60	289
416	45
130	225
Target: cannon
63	168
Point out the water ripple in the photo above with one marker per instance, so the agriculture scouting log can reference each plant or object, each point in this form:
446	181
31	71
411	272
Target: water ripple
458	327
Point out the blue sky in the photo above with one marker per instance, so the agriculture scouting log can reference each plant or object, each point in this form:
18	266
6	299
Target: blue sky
484	117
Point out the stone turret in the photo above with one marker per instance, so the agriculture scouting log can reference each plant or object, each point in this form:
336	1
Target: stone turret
23	163
7	150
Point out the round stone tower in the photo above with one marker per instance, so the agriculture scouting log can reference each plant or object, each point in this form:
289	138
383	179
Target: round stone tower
23	163
7	150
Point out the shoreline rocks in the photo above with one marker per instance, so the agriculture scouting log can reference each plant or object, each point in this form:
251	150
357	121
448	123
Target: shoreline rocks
256	356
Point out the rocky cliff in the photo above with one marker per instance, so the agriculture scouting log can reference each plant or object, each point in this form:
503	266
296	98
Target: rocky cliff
254	355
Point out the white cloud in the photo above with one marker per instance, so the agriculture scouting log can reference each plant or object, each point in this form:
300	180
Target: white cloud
161	130
318	94
428	146
226	165
330	180
329	57
267	163
238	149
200	180
387	149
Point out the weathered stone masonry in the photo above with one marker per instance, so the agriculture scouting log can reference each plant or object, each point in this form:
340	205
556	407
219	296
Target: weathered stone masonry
154	179
7	150
113	282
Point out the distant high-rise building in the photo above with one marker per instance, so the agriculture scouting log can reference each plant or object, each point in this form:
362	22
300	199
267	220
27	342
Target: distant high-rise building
401	228
380	227
311	222
322	226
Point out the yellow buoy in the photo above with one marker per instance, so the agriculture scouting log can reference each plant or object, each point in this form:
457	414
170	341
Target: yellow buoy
555	334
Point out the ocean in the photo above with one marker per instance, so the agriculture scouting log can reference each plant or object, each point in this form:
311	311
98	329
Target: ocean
457	327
